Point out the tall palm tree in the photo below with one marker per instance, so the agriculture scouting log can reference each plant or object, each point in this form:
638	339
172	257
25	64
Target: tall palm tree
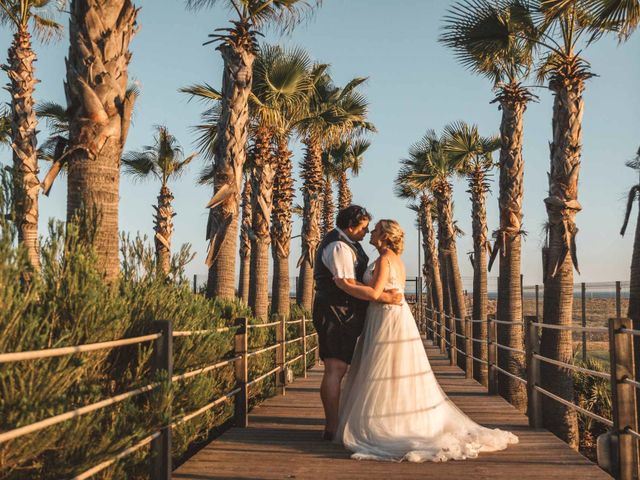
164	161
465	32
238	47
349	155
439	167
99	105
332	112
408	188
465	144
25	17
245	241
328	205
281	84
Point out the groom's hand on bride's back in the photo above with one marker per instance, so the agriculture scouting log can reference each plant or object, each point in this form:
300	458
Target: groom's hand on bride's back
393	297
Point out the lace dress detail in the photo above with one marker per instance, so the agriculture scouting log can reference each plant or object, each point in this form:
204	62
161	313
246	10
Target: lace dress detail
392	407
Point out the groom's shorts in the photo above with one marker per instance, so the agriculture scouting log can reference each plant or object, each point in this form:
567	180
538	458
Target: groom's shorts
337	336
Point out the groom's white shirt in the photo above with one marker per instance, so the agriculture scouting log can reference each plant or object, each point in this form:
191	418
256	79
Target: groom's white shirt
339	258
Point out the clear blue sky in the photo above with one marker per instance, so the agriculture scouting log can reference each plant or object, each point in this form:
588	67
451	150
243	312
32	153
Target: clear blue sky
414	84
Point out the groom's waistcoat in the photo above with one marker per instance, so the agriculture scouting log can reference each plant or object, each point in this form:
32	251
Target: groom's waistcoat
325	285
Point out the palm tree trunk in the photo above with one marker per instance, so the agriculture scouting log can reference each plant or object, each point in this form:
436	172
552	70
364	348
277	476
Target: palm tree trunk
23	135
163	226
229	157
560	253
442	261
513	101
478	187
245	243
281	227
96	90
450	257
344	193
431	257
634	298
312	195
328	207
261	205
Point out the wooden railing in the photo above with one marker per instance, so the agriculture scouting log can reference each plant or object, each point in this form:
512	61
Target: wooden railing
162	360
619	451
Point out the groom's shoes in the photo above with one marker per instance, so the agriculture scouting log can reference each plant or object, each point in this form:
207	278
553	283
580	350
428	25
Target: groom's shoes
327	436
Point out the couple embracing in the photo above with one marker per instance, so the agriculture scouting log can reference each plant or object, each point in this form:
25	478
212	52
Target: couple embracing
391	406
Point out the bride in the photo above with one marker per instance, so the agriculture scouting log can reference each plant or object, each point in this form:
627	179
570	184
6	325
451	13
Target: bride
392	407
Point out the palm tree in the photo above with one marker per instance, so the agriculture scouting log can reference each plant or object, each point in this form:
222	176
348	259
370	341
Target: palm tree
408	188
25	16
435	175
281	85
333	112
328	205
238	47
465	28
164	161
349	155
474	153
99	105
245	241
634	278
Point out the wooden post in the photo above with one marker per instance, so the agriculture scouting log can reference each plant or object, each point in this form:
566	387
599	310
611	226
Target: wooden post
468	348
195	283
623	398
242	373
281	335
537	303
304	346
583	317
492	353
162	360
453	353
618	302
534	397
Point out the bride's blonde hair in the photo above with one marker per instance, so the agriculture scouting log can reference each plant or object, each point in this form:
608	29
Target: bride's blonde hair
392	235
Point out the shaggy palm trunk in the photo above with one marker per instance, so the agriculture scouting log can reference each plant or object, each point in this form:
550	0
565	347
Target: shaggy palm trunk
513	101
245	243
261	204
312	195
96	90
328	208
478	187
450	259
634	296
23	135
432	265
442	261
281	228
163	226
238	54
344	193
560	253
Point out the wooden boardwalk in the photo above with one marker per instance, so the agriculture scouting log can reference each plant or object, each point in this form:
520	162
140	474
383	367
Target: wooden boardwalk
283	442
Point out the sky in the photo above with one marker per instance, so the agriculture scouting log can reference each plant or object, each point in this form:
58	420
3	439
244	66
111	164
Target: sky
414	84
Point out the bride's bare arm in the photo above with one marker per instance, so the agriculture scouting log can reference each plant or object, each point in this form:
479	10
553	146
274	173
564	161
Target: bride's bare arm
375	292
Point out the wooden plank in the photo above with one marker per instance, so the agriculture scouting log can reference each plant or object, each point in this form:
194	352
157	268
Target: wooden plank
283	441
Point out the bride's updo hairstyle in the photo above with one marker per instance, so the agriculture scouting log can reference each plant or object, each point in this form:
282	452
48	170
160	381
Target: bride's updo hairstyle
392	235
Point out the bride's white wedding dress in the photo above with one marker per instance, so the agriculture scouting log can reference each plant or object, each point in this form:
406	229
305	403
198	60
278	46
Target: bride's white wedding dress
392	407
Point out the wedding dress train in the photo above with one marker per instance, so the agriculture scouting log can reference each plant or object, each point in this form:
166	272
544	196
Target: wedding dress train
392	407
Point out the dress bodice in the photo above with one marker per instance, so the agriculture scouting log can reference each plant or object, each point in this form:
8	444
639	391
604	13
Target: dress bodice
393	283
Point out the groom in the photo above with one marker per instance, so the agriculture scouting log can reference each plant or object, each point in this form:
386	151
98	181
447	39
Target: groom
337	316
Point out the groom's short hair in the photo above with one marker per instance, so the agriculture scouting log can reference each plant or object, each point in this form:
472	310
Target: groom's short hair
351	216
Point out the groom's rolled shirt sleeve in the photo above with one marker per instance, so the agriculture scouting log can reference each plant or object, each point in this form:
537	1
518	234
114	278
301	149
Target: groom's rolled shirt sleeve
340	260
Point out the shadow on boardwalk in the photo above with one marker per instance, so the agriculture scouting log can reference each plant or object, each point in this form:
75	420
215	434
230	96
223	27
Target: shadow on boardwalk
283	442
